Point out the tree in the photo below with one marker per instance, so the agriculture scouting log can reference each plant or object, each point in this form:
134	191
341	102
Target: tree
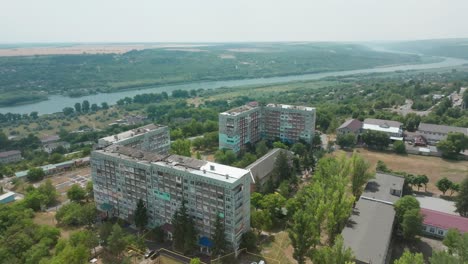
399	147
451	240
376	139
85	106
115	242
298	148
104	105
410	258
225	156
422	179
282	169
303	236
404	204
76	193
261	148
104	232
70	215
195	261
49	191
338	254
35	174
442	257
94	107
461	201
412	224
184	236
381	166
249	241
89	190
78	107
346	140
444	185
34	115
455	187
141	215
261	220
453	145
88	214
181	147
360	173
68	111
219	239
279	144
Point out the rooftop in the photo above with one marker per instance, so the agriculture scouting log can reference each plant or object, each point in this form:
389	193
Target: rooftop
352	124
441	128
298	107
6	195
264	165
386	129
379	187
200	167
51	138
436	204
9	153
382	122
131	133
369	230
239	110
445	221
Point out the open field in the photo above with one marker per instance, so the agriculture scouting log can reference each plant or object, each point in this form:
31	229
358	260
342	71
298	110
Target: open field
279	249
435	168
76	49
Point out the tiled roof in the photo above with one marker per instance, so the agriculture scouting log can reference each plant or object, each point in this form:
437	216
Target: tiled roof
442	129
444	220
352	124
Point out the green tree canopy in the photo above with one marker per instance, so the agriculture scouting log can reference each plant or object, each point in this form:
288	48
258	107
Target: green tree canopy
461	201
76	193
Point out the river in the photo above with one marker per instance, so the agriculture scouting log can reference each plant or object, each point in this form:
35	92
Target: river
57	102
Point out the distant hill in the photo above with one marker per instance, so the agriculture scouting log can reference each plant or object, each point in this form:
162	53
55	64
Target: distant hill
456	48
22	78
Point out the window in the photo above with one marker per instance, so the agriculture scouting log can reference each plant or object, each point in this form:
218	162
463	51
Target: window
440	232
432	230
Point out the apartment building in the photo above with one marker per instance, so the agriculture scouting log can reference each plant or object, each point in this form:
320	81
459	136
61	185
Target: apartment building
153	138
123	174
250	123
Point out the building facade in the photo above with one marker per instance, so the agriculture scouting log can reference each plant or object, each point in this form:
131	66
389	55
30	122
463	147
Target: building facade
393	129
124	174
435	133
10	156
436	223
251	123
151	137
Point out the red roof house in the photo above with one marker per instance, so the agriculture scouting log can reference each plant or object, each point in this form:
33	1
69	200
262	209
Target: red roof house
438	223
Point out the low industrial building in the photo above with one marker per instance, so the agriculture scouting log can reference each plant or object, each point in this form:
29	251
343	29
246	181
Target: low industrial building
435	133
393	129
263	168
369	230
438	223
10	156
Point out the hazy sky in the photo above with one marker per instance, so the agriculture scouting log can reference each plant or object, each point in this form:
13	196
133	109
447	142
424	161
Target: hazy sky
234	20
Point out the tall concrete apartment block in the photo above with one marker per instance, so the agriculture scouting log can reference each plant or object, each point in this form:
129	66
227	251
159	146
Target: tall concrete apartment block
123	174
250	123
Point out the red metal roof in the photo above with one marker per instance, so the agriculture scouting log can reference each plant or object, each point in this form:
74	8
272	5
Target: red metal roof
444	220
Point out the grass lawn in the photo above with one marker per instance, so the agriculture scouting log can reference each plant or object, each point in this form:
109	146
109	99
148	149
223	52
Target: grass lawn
279	249
168	260
435	168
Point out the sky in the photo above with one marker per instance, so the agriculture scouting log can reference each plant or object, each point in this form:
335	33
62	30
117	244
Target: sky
226	21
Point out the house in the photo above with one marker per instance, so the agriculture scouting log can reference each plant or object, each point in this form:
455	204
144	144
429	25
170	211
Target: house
10	156
7	197
50	139
438	223
350	126
435	133
369	230
262	169
394	129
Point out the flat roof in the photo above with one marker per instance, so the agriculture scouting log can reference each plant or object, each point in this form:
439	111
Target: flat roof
382	122
369	230
390	129
436	204
298	107
238	110
379	187
442	128
199	167
6	195
131	133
